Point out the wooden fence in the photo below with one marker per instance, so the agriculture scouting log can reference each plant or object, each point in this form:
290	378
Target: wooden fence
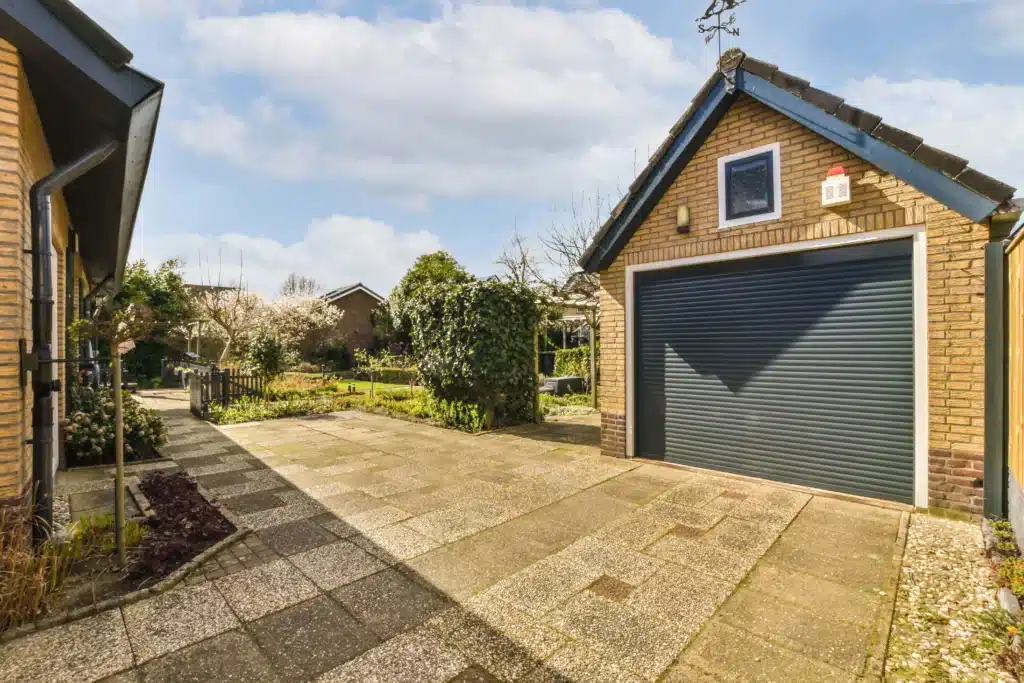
1015	356
209	385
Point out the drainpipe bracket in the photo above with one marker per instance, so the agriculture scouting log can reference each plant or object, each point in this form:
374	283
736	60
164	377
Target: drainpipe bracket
29	361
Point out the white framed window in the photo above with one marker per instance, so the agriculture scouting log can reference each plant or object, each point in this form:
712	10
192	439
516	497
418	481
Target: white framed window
750	186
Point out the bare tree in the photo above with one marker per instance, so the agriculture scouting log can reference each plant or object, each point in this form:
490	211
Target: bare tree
519	262
296	285
231	307
565	243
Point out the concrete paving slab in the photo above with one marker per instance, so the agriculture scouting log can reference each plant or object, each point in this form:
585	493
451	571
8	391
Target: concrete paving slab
639	641
743	537
694	493
231	656
703	556
634	487
395	543
681	514
176	619
864	571
559	524
577	663
637	530
376	518
503	641
392	602
311	638
842	602
733	654
296	537
334	565
473	564
683	596
772	506
416	657
86	650
813	633
270	587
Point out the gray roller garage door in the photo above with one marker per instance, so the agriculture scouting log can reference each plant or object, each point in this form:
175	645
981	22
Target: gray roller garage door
797	368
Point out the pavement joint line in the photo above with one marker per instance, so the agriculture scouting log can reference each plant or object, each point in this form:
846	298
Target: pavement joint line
742	583
878	654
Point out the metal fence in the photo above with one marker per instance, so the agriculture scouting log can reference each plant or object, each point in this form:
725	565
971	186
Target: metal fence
208	385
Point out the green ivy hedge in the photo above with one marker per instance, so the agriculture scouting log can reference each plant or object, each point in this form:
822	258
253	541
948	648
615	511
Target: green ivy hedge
573	362
389	376
475	350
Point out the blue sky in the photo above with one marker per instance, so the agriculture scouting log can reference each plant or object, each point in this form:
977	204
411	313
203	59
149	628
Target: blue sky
342	138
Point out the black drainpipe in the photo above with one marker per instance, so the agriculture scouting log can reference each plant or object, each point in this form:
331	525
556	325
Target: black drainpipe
44	381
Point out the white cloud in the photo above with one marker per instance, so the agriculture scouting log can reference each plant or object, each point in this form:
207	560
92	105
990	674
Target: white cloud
485	100
335	251
980	123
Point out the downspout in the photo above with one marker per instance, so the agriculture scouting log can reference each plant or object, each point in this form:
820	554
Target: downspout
996	472
44	381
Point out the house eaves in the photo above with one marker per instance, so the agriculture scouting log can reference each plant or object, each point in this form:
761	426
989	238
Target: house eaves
342	292
86	96
943	176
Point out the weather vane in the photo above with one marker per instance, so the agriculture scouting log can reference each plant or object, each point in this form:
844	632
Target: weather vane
715	26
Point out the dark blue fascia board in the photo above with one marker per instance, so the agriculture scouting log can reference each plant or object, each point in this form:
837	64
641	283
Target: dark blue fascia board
126	84
929	181
677	156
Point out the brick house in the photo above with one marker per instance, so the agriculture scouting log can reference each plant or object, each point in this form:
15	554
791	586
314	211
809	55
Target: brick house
357	303
794	290
76	134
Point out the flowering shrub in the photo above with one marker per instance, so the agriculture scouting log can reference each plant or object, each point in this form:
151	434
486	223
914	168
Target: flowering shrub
89	430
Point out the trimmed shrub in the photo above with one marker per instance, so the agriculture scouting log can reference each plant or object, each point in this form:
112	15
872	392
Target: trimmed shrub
573	362
475	348
388	376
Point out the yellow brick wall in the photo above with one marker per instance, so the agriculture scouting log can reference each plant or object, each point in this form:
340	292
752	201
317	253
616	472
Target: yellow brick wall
955	274
24	158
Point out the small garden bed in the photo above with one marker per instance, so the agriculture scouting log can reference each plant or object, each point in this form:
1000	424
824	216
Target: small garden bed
80	570
566	406
397	401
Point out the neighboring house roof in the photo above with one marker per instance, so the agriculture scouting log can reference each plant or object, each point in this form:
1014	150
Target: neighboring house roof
941	175
87	95
342	292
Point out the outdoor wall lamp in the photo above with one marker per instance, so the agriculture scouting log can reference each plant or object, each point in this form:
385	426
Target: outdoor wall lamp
683	219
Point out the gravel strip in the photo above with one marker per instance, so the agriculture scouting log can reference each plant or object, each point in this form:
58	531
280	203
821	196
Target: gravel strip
946	589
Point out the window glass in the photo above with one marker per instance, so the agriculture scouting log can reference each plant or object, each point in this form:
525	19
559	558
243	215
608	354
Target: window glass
749	186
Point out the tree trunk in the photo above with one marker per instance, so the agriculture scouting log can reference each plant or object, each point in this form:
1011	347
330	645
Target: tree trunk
115	354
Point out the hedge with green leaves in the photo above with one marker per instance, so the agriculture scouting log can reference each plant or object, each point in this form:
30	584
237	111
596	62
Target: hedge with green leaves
474	343
573	362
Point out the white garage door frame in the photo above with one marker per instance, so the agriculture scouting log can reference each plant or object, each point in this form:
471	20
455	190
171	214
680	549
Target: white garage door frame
920	287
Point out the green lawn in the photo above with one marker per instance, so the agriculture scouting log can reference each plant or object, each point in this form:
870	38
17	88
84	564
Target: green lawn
364	387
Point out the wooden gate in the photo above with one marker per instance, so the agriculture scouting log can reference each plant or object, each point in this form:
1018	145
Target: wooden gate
220	386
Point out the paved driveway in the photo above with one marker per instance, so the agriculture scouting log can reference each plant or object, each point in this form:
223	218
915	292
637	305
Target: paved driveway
391	551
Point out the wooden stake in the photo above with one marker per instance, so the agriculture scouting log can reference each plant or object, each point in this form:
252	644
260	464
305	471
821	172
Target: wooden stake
593	368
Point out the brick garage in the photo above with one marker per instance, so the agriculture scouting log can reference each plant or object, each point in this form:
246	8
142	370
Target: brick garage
962	212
